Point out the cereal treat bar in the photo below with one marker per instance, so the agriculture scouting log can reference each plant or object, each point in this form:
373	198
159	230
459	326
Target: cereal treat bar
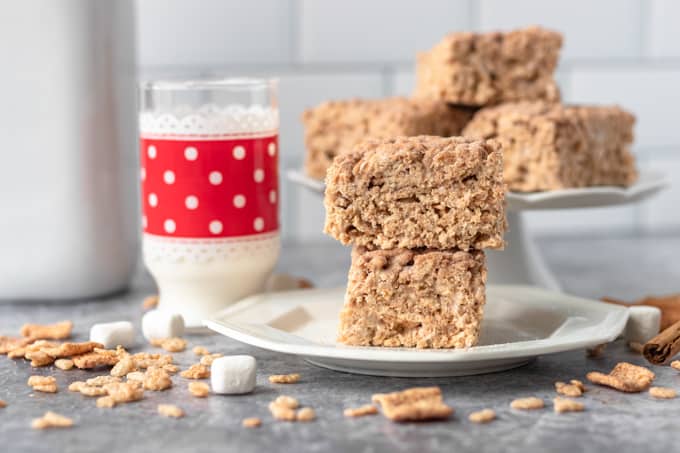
411	192
489	68
414	298
554	146
335	126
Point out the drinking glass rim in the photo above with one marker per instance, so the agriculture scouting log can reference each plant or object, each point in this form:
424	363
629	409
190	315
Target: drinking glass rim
227	83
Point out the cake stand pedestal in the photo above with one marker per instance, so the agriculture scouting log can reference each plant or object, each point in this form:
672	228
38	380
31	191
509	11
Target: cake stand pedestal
520	263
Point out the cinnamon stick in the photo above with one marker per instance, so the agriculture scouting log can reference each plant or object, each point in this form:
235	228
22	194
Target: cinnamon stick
663	347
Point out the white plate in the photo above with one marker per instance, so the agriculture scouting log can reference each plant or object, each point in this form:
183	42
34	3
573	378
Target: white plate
648	184
520	324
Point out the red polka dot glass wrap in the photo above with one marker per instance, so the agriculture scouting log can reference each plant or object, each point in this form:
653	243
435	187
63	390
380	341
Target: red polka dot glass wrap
226	187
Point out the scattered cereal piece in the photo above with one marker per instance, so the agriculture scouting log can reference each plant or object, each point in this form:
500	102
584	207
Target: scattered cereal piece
51	420
287	401
57	331
64	364
624	377
596	351
199	389
200	350
282	412
208	359
161	324
125	366
174	344
306	414
366	409
112	334
561	405
170	410
662	392
9	344
100	381
171	368
418	403
39	358
45	384
75	386
150	302
196	371
252	422
2	404
233	375
124	392
144	360
675	364
483	416
529	403
573	389
106	401
97	358
284	378
135	376
91	390
636	347
156	379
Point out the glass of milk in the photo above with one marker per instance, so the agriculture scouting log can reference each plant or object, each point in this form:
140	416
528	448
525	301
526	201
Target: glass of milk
209	190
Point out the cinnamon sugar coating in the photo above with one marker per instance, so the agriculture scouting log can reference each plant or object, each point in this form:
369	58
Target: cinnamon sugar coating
411	192
336	126
478	69
424	299
555	146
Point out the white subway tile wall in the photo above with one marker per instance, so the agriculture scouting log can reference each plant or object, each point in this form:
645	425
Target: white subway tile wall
616	51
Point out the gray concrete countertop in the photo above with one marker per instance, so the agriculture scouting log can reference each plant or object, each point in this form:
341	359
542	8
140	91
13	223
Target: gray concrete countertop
613	422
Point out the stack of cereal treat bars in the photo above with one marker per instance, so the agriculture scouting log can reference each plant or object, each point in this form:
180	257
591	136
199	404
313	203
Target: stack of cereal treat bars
416	185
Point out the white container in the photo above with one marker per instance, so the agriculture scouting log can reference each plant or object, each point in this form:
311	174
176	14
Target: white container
67	166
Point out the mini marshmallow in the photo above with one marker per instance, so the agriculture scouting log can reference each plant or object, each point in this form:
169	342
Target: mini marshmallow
162	324
233	375
643	323
112	334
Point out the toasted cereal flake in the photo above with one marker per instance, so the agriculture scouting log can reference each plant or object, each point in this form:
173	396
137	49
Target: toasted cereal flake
287	401
635	346
97	358
106	401
171	368
579	384
92	390
306	414
366	409
144	360
284	378
2	404
10	344
568	389
561	405
196	371
418	403
170	410
75	386
57	331
200	350
51	420
282	412
71	349
135	376
252	422
662	392
125	366
100	381
675	364
174	344
156	379
208	359
199	389
39	358
124	392
150	302
18	353
64	364
45	384
529	403
624	377
483	416
596	351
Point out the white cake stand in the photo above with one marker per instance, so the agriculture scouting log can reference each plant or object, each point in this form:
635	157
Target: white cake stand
521	263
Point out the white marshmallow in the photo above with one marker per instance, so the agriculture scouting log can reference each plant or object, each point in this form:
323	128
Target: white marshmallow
233	375
162	324
112	334
643	323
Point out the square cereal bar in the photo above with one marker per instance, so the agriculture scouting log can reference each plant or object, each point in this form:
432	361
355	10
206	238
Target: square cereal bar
411	192
488	68
554	146
414	298
335	126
